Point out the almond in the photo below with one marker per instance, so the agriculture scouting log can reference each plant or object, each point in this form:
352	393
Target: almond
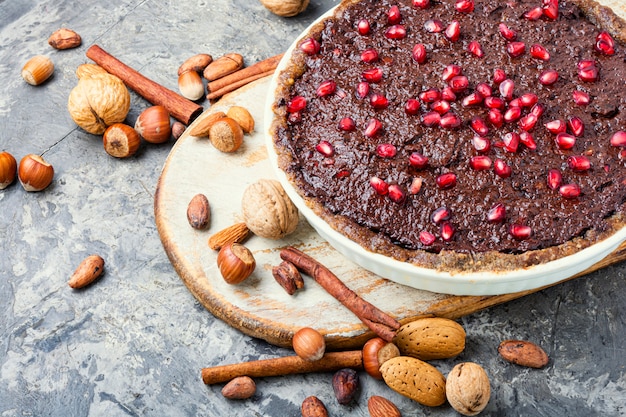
431	338
415	379
467	388
64	39
222	66
239	388
196	63
202	127
381	407
199	212
313	407
236	233
242	116
89	269
523	353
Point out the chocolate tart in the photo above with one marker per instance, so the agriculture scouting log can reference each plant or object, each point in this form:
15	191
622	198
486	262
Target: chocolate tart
494	145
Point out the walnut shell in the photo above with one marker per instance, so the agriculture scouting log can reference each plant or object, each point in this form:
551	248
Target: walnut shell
268	211
98	101
467	388
285	8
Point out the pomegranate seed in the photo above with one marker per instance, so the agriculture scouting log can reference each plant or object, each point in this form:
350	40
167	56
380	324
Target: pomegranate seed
464	6
295	117
412	106
481	144
484	89
447	180
426	238
534	14
451	71
395	32
472	99
515	103
453	31
396	193
325	148
565	140
588	74
393	15
326	88
450	121
585	63
480	162
579	163
475	49
618	139
416	185
362	89
433	26
512	114
551	9
479	126
528	140
528	99
495	117
447	94
499	75
539	52
527	122
440	215
446	231
548	77
363	27
432	118
556	126
430	96
310	46
440	106
373	128
554	179
342	173
581	98
497	213
386	150
296	104
494	102
506	32
373	75
537	110
511	141
378	101
347	124
421	4
459	83
605	43
516	49
419	53
417	160
502	169
571	190
520	231
506	89
369	56
576	125
380	186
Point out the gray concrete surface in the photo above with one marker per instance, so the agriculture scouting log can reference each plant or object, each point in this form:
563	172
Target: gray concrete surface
134	343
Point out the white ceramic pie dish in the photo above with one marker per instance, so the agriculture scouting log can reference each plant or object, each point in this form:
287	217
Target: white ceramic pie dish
459	283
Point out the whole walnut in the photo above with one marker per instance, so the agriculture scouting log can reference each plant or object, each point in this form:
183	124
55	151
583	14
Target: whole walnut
267	210
467	388
98	101
285	8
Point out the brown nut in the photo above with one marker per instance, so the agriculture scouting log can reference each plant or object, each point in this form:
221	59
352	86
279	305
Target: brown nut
242	116
222	66
377	351
431	338
120	140
381	407
268	211
190	85
37	69
87	70
467	388
226	135
415	379
89	269
523	353
235	262
285	8
199	212
309	344
178	129
239	388
153	124
64	39
8	169
201	127
288	277
235	233
345	385
34	173
196	63
313	407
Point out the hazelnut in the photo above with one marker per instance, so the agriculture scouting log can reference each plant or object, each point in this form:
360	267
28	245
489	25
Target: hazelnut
153	124
268	211
235	262
467	388
120	140
8	169
377	351
226	135
309	344
190	85
37	69
285	8
35	173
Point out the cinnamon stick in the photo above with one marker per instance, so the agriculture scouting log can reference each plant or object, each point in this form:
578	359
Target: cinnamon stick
287	365
238	84
179	107
261	67
378	321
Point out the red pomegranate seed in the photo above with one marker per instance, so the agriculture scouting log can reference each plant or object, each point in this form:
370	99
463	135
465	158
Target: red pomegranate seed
480	162
396	193
528	99
440	106
393	15
386	150
373	75
528	140
481	144
520	231
464	6
296	104
494	102
380	186
433	26
378	101
571	190
585	63
497	213
551	9
484	89
295	117
548	77
499	75
507	33
363	27
576	125
579	163
395	32
475	49
556	126
326	88
426	238
479	126
495	117
588	74
448	95
417	160
447	180
515	103
453	31
325	148
537	110
605	43
362	89
502	169
506	89
421	4
511	141
472	99
581	98
565	140
412	106
446	231
512	114
539	52
310	46
430	96
342	173
450	121
618	139
527	122
554	179
534	14
416	185
516	49
419	53
440	215
430	119
450	71
373	128
369	56
347	124
459	83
